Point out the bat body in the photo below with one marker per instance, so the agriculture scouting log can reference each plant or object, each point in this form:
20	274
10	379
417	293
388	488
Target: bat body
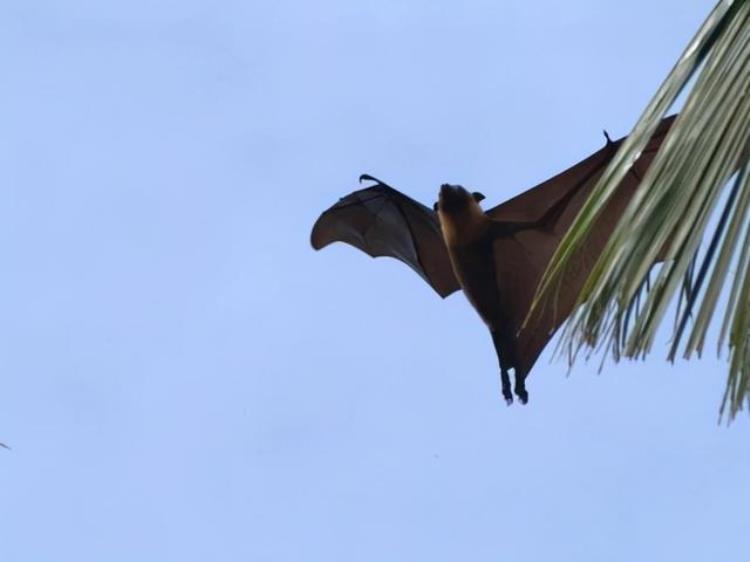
469	237
496	257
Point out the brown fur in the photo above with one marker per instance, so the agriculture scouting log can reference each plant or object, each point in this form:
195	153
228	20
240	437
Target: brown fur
466	231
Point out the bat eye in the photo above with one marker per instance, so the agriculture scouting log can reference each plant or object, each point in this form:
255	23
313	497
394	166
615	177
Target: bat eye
478	196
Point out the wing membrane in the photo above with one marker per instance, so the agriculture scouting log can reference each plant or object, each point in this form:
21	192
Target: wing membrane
382	221
522	258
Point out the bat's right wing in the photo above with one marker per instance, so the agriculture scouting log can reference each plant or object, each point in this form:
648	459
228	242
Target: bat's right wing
381	221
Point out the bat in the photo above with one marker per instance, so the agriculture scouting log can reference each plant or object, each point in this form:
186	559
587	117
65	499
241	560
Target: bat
496	257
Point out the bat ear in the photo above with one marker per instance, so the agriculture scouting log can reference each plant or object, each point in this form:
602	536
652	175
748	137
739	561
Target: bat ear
435	207
478	196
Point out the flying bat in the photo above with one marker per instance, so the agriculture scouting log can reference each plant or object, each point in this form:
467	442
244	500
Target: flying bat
496	257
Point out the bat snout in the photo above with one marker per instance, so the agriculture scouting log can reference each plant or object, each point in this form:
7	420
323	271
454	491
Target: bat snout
447	188
453	197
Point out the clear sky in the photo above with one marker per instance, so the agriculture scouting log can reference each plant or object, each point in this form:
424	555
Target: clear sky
184	379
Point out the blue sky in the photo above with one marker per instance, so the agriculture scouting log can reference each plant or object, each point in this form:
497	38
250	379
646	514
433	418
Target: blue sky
185	379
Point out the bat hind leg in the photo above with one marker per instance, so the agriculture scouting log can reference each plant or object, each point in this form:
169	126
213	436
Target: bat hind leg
505	379
506	358
520	388
504	368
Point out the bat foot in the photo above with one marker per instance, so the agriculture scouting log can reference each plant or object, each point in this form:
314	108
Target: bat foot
520	391
508	399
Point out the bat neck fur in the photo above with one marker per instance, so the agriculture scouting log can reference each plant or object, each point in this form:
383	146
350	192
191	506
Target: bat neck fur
461	218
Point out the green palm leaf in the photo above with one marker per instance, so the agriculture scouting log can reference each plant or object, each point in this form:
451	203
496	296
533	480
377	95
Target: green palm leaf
702	167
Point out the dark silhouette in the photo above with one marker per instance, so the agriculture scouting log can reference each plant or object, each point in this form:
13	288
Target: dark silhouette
497	257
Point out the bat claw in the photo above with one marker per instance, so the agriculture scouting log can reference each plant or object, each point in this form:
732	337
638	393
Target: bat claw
508	396
368	177
520	391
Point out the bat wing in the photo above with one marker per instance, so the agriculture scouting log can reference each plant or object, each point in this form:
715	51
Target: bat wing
521	258
580	179
381	221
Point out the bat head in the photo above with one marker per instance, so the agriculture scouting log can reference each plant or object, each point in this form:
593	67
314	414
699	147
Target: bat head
461	218
455	199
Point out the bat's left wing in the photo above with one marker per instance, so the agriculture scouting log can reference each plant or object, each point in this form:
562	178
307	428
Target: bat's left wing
521	258
382	221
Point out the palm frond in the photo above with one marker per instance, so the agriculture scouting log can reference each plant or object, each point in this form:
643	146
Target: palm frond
671	214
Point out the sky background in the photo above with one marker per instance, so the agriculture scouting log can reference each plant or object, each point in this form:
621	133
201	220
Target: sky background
185	379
